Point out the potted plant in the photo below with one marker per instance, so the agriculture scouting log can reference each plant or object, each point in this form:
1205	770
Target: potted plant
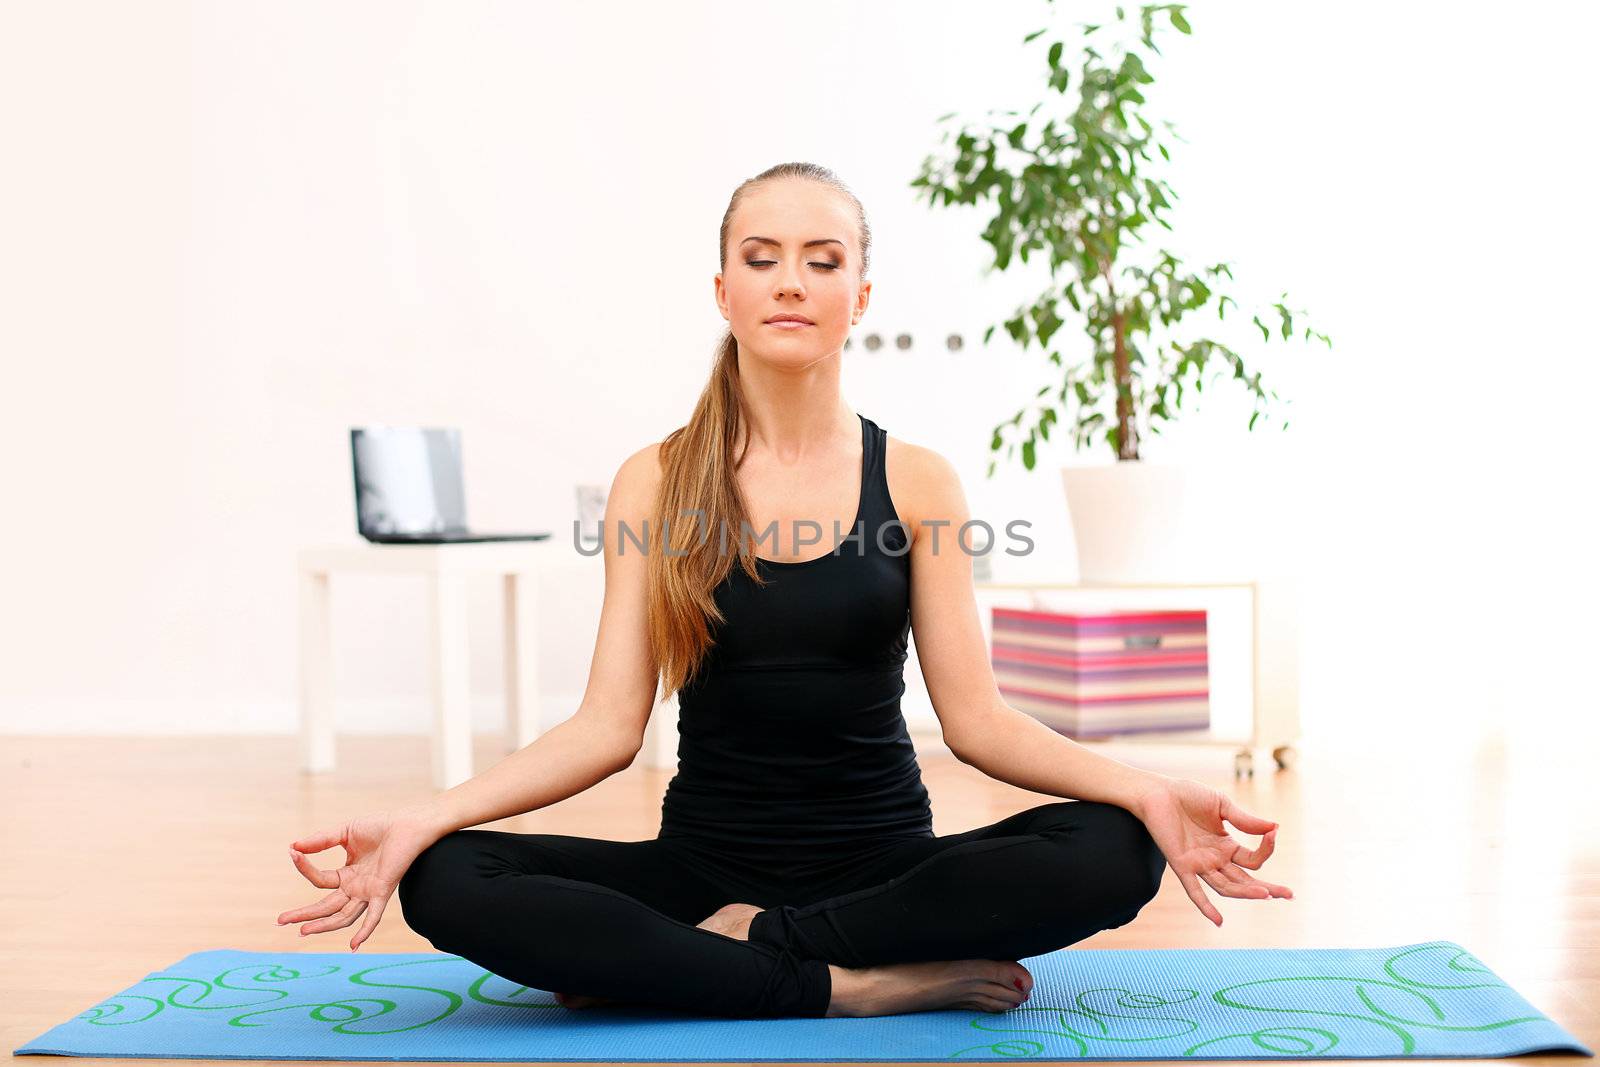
1083	188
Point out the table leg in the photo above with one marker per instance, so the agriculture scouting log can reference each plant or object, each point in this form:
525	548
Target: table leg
523	717
451	679
316	673
1277	661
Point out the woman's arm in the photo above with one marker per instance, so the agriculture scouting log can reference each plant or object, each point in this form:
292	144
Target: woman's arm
979	727
606	732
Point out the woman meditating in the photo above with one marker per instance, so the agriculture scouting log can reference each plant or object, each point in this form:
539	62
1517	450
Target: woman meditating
796	871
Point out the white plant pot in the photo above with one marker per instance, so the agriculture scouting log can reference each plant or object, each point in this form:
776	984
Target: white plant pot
1138	521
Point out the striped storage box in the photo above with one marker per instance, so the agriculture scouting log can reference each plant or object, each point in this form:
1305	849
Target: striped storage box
1104	673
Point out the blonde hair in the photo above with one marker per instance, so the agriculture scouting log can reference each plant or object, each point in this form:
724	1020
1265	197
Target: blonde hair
699	497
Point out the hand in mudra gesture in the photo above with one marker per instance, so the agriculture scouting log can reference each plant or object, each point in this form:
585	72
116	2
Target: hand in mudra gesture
1186	820
378	849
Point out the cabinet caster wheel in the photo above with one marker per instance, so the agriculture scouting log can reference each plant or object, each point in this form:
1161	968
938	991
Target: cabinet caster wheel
1284	755
1244	764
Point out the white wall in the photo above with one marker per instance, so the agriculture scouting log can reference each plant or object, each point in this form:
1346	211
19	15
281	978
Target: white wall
231	231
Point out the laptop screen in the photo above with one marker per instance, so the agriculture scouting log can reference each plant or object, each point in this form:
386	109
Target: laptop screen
408	480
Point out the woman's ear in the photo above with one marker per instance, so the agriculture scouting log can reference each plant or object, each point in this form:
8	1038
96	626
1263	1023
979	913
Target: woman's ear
863	297
716	292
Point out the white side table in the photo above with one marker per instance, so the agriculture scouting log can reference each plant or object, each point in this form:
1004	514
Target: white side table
446	568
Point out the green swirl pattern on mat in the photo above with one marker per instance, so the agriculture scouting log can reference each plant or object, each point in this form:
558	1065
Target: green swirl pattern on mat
1095	1018
191	994
1109	1004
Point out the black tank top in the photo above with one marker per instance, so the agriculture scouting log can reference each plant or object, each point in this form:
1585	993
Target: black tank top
791	730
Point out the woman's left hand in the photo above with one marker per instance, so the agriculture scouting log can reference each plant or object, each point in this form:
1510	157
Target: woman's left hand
1185	818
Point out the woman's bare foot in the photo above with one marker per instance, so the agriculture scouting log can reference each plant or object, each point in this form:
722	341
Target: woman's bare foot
731	920
984	985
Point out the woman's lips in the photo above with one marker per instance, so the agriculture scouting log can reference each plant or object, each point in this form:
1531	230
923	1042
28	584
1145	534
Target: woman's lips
789	324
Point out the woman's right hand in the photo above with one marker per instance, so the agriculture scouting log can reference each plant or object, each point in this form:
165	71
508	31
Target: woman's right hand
378	849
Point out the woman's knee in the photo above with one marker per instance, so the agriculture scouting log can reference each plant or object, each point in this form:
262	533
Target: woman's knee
1126	858
431	889
1145	860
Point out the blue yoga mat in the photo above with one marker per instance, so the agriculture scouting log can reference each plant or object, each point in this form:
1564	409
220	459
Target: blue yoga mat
1432	1000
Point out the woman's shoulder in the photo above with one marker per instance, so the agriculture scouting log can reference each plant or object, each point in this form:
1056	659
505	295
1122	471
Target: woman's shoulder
923	484
637	480
644	462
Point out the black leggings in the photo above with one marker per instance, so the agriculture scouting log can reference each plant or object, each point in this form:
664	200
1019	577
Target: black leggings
617	919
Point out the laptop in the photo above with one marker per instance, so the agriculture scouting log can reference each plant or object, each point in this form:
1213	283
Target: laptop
409	488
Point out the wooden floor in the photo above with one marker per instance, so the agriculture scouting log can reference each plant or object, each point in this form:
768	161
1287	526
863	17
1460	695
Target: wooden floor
119	857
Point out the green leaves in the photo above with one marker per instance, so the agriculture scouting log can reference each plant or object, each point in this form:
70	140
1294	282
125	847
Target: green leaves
1287	325
1077	184
1046	321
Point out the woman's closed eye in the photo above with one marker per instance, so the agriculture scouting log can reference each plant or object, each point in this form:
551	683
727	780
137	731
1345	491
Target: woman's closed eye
770	262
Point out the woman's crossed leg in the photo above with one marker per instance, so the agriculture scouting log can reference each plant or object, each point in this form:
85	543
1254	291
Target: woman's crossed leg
607	919
1029	884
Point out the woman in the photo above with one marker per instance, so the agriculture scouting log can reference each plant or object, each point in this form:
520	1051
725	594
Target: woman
796	871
